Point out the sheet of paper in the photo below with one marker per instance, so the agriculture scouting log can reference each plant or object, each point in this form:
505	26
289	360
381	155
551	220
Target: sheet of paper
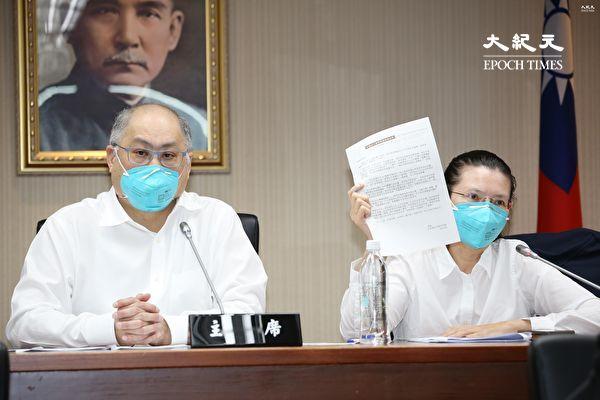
404	180
508	338
59	349
169	347
327	343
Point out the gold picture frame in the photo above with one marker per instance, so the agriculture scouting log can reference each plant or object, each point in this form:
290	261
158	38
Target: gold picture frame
33	159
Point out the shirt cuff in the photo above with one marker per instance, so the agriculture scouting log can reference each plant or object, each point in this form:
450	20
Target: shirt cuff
542	323
178	325
99	330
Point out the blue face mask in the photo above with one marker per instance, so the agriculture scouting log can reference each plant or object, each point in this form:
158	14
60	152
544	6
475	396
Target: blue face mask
479	223
149	188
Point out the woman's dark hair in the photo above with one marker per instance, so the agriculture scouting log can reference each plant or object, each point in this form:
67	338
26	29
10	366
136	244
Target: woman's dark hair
477	158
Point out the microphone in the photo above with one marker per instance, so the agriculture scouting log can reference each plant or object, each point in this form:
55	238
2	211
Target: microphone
187	231
234	330
527	252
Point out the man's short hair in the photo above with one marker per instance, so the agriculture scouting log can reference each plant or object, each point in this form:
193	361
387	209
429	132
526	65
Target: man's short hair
124	116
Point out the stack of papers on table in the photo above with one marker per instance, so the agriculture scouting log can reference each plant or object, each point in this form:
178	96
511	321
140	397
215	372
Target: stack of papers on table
139	347
113	347
508	338
58	349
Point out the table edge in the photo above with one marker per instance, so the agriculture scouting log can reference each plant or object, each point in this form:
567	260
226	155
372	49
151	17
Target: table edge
306	355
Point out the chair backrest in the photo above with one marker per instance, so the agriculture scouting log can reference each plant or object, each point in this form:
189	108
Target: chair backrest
4	372
559	365
577	250
249	223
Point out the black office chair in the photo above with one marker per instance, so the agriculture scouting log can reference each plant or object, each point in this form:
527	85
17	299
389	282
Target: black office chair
4	372
577	250
565	367
249	223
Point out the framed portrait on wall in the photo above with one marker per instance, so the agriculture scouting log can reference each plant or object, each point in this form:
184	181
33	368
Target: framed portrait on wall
80	62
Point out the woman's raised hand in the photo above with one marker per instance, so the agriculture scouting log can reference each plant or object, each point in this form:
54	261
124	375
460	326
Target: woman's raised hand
360	209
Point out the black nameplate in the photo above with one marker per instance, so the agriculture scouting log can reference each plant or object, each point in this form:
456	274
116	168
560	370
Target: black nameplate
245	330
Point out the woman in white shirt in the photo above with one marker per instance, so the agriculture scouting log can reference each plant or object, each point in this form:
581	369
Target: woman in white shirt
479	286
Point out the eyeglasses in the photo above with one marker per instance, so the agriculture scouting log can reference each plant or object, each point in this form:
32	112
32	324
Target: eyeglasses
476	197
141	156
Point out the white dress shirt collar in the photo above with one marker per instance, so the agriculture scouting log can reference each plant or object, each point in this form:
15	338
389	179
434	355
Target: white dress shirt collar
114	214
446	264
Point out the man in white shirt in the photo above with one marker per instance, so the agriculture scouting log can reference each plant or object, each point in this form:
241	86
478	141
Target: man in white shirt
117	269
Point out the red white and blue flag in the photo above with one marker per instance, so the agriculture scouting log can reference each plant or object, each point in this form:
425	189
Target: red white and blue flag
559	204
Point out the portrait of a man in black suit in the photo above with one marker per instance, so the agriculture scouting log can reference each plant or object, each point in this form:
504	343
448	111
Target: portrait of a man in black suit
120	50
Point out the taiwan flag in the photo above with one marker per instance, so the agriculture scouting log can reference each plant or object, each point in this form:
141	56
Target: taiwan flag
559	204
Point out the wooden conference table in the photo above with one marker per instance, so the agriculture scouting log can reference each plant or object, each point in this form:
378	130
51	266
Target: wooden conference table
412	371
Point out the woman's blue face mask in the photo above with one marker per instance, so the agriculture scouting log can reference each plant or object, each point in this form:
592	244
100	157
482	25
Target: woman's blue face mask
149	188
479	223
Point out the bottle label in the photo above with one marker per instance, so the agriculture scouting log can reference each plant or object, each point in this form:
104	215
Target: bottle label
364	301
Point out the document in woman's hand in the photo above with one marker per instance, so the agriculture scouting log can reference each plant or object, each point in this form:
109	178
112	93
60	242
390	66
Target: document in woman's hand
403	177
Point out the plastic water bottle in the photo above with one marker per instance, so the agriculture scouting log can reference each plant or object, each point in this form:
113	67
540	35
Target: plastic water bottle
373	320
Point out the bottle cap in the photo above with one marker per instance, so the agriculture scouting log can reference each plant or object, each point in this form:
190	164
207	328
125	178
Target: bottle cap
373	245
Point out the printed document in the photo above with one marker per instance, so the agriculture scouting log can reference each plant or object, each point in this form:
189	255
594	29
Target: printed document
507	338
113	347
40	349
141	347
403	177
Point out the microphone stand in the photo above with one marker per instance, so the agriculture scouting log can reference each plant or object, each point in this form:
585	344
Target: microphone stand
185	228
527	252
212	330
